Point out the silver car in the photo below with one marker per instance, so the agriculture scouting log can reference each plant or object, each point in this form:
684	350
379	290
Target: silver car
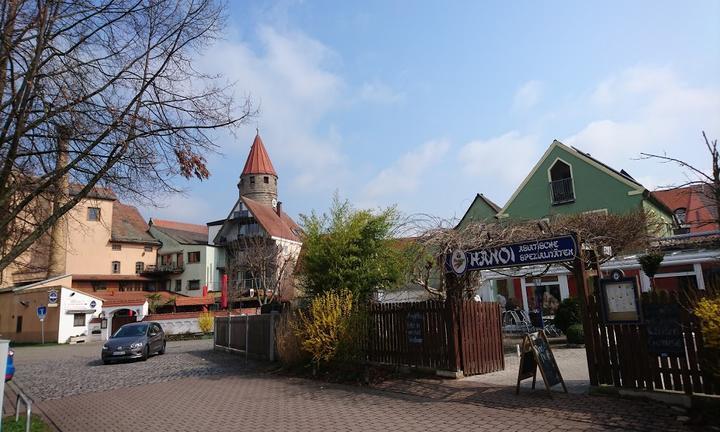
133	341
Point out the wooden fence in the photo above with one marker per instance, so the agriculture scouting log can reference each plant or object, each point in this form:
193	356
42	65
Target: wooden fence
621	355
418	335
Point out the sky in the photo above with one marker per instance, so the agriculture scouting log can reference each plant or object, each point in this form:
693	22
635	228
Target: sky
424	104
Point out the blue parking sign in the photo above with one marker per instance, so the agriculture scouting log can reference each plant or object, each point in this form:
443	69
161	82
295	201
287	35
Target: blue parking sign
41	312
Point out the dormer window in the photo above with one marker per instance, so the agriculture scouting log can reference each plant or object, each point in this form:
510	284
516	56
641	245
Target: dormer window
680	215
561	183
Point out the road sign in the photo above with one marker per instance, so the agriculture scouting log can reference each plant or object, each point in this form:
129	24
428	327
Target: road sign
41	312
52	296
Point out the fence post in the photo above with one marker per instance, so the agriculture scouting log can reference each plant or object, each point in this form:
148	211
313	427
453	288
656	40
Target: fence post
228	331
247	337
271	353
589	326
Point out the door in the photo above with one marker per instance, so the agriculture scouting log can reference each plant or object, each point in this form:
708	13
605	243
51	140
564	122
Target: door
155	338
120	320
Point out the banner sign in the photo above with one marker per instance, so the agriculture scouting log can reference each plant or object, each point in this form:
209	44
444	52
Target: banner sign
546	251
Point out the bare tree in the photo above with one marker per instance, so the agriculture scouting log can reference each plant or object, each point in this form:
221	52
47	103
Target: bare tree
709	183
431	240
262	264
102	93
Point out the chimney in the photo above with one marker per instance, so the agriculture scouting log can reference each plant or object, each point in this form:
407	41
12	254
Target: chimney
58	232
278	208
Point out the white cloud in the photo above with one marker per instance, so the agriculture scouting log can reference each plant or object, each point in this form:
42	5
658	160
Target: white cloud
649	110
377	92
405	175
500	162
291	80
528	95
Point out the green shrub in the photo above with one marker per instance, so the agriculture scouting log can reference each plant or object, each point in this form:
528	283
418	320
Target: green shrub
568	313
575	334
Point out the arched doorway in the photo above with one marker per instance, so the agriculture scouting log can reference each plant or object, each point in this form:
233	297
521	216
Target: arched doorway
122	317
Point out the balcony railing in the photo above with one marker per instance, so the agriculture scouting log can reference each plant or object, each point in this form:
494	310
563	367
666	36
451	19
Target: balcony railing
562	191
163	268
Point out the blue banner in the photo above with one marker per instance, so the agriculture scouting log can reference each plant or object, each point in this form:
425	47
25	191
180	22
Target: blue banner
546	251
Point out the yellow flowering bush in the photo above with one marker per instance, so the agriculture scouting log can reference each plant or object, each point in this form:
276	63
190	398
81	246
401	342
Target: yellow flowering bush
708	310
324	325
206	322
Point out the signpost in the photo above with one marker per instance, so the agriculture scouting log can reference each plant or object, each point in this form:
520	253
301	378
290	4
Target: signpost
42	313
535	353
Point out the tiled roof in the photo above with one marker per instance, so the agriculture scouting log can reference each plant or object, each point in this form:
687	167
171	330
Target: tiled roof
183	233
277	226
134	298
258	161
109	277
700	213
96	192
128	225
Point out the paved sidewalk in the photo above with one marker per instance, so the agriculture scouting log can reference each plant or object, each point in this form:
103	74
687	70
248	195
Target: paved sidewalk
271	403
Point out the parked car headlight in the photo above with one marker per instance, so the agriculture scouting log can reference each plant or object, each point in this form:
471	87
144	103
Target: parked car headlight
105	347
136	345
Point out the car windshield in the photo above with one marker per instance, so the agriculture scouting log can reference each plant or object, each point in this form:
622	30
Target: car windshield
129	331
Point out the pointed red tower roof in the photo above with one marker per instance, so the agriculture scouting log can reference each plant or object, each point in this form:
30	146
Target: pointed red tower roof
258	161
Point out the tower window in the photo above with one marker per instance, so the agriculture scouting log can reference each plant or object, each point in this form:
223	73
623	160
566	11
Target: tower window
252	180
561	183
266	179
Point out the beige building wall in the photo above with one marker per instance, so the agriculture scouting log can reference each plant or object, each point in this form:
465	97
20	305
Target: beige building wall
89	250
23	306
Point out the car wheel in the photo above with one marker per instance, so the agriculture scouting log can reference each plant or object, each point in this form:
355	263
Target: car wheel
162	350
106	362
146	353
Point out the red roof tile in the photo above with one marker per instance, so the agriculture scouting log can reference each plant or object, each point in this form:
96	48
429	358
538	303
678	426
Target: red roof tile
180	226
700	214
128	225
277	226
258	161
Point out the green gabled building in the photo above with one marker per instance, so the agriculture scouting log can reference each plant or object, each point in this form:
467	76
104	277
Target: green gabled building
568	181
482	209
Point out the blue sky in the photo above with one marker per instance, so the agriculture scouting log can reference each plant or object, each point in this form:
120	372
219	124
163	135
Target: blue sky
423	105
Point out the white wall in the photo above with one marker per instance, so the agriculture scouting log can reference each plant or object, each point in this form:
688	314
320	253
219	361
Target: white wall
180	326
75	300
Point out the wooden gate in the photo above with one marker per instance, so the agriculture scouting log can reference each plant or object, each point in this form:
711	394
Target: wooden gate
619	354
481	337
120	320
418	334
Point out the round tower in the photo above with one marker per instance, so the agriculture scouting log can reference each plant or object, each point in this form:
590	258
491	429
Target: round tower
258	180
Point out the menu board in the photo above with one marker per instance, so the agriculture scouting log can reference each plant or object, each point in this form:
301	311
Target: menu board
620	300
664	334
415	327
536	354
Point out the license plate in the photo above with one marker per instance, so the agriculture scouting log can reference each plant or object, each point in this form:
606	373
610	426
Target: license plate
119	353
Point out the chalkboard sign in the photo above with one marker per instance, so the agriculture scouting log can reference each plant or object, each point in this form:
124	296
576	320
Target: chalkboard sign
664	334
546	360
415	327
536	354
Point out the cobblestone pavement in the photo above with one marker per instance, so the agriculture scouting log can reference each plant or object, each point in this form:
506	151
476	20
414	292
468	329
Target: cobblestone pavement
193	389
66	372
